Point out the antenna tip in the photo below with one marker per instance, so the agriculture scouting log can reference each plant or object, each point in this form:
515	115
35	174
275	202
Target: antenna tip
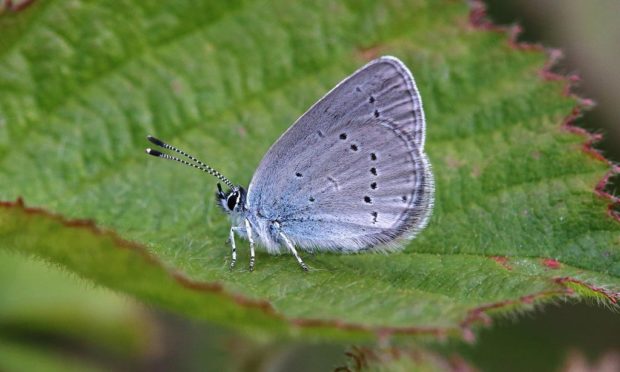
155	140
153	152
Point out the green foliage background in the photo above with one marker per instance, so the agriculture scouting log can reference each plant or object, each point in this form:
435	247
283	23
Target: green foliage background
83	82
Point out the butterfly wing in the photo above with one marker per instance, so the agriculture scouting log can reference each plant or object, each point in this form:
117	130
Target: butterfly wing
351	173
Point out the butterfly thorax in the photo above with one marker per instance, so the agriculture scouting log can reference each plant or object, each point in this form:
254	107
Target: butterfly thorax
233	203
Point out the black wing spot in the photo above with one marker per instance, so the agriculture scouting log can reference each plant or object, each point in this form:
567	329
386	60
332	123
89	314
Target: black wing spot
373	156
358	89
371	99
298	174
354	147
320	133
343	136
373	170
374	217
404	198
377	113
373	185
367	199
311	199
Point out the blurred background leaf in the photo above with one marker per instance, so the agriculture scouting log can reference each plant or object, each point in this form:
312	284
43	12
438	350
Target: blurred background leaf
45	312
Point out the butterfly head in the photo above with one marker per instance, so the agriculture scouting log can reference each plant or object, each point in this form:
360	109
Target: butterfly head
232	201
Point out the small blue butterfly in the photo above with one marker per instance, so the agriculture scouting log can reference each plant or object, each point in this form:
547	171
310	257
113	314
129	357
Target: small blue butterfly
349	176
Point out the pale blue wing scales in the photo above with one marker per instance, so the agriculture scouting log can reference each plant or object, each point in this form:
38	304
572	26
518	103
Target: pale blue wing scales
351	174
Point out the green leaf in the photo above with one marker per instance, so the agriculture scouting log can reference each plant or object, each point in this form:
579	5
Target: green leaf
42	303
516	222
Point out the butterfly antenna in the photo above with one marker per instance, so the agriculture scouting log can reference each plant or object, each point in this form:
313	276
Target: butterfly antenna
199	165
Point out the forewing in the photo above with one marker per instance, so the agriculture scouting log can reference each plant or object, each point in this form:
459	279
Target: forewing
351	174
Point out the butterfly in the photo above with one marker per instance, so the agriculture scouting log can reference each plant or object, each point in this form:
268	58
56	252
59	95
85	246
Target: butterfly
350	175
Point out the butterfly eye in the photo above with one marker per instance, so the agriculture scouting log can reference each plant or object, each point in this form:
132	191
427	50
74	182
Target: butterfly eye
232	200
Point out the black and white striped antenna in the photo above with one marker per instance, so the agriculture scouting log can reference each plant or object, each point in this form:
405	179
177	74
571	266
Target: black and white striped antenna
199	165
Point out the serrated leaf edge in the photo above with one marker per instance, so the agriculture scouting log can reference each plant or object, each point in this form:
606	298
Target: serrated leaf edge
567	287
478	19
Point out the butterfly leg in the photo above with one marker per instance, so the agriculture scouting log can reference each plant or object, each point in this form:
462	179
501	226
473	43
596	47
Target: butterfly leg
231	240
291	248
248	230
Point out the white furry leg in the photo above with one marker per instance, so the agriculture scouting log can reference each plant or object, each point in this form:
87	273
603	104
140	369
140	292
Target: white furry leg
231	240
291	248
248	230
